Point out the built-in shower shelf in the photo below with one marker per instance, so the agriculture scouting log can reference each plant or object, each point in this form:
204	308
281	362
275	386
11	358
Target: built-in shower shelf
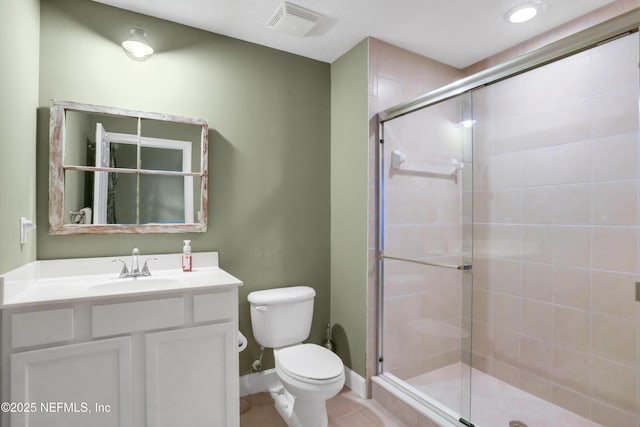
399	162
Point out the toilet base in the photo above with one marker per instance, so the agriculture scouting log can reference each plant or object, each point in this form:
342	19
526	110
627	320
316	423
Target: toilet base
298	412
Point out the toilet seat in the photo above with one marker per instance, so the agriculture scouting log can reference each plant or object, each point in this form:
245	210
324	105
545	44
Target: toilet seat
309	362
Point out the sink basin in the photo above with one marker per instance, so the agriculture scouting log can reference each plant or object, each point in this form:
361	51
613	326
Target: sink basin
134	284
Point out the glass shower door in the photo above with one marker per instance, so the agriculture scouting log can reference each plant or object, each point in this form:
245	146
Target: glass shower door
554	235
426	241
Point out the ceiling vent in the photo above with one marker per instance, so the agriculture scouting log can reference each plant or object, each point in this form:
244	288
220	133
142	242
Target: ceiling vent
294	20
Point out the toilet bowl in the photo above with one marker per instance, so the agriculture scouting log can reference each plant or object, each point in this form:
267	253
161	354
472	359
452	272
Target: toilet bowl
309	374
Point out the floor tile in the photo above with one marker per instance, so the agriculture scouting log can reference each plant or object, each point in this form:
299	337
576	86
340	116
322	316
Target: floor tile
344	410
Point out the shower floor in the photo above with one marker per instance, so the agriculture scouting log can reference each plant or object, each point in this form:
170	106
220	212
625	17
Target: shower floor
494	403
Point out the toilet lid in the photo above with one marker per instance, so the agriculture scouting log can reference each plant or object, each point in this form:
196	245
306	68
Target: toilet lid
310	361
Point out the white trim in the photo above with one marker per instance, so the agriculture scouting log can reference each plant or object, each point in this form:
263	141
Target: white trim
355	382
101	179
103	141
259	382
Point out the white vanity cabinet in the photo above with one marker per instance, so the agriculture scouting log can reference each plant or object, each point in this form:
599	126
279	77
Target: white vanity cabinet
78	375
159	360
188	374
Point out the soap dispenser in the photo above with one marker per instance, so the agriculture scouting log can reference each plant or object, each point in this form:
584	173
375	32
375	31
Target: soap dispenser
186	256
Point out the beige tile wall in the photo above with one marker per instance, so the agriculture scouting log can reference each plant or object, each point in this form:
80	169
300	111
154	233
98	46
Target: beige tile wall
556	236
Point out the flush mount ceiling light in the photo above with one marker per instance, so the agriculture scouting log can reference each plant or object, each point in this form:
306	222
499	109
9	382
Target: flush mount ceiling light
137	46
523	12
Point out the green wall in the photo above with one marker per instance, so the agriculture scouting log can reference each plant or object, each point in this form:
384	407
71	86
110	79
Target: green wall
268	112
349	204
19	41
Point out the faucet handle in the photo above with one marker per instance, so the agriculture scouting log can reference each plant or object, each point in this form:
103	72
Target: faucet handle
125	271
145	267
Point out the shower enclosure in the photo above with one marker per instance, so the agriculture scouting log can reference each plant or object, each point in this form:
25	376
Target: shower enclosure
509	245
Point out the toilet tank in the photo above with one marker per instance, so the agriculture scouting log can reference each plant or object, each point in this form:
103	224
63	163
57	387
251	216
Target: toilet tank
281	316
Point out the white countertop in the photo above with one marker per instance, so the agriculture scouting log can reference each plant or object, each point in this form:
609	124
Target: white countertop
49	281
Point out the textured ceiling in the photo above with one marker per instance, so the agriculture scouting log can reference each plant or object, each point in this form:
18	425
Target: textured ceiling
456	32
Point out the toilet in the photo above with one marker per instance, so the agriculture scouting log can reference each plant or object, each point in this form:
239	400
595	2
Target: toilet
310	374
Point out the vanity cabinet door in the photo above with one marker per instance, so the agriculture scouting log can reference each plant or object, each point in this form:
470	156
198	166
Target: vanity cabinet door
77	385
192	377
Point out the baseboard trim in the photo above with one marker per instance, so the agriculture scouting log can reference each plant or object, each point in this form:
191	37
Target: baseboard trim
259	382
355	382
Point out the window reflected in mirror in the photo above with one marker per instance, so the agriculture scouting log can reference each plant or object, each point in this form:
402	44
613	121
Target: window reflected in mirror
121	171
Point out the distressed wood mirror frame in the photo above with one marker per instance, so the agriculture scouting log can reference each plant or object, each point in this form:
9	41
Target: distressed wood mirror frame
57	169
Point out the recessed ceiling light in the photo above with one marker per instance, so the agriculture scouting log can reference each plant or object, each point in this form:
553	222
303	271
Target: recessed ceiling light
522	13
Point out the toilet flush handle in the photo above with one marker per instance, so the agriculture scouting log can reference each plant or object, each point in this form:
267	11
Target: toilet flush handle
261	307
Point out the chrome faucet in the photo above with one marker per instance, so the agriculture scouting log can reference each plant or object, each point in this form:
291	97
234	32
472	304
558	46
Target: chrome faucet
135	266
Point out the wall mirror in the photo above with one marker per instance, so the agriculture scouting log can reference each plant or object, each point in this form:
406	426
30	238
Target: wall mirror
113	170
